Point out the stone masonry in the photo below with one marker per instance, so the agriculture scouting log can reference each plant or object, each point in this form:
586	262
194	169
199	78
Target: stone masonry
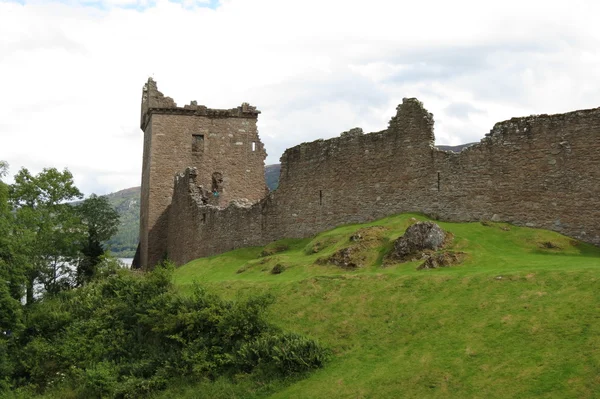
222	144
540	171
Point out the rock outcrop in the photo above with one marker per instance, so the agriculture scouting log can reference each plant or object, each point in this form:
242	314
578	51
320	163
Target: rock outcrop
420	237
423	241
442	259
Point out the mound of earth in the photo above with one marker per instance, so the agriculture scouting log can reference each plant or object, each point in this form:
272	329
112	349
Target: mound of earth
356	255
273	248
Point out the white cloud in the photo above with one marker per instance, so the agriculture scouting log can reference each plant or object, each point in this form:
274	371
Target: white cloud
71	73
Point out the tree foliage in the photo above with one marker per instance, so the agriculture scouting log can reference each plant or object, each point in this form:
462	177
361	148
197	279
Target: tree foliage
101	331
11	266
55	244
47	231
102	222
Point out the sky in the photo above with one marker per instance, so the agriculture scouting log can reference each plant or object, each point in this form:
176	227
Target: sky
72	72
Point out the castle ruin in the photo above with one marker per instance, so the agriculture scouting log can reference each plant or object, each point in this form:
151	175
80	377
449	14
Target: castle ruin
540	171
223	146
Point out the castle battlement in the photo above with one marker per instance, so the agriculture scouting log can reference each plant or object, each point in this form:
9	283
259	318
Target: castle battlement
155	102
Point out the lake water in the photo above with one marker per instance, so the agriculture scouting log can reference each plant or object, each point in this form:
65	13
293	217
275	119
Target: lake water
127	261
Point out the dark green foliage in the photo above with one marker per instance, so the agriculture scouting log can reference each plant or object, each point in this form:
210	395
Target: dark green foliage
102	222
44	238
11	280
46	232
283	354
130	334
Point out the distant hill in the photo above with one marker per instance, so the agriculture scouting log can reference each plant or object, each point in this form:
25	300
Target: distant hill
127	203
455	148
272	176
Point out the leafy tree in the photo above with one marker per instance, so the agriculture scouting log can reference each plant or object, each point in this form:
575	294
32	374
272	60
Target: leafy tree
102	222
10	285
47	231
11	276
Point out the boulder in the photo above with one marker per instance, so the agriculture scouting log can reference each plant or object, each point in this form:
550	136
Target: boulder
419	237
345	258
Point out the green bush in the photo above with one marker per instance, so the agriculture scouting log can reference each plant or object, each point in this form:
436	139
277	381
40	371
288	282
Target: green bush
129	334
281	354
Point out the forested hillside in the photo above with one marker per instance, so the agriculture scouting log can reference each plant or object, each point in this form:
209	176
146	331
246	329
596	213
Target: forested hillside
127	204
272	176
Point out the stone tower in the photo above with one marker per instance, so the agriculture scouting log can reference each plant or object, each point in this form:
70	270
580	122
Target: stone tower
222	144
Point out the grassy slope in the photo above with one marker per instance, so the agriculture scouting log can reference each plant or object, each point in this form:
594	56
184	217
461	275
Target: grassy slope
514	320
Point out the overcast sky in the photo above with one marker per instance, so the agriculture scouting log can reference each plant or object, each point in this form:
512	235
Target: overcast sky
72	72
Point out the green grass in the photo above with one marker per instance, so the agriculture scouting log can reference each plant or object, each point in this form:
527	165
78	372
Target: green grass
514	320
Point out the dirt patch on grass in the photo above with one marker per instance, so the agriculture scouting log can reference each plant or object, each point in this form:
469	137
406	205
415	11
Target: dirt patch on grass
243	268
317	245
549	245
359	253
278	269
273	248
442	259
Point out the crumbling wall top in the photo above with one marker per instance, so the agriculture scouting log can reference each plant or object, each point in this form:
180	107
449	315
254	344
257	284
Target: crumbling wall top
524	126
414	123
153	101
354	132
152	98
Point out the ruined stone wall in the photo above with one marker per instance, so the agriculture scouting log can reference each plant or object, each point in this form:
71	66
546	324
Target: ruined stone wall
197	229
222	144
540	171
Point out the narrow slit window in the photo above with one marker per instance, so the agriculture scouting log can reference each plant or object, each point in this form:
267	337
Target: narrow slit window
254	146
197	142
320	197
204	218
438	181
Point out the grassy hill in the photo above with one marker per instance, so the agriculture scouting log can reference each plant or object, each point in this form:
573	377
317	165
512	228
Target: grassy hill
519	318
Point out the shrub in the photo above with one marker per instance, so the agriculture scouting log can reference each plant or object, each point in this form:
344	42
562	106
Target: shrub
282	354
129	334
